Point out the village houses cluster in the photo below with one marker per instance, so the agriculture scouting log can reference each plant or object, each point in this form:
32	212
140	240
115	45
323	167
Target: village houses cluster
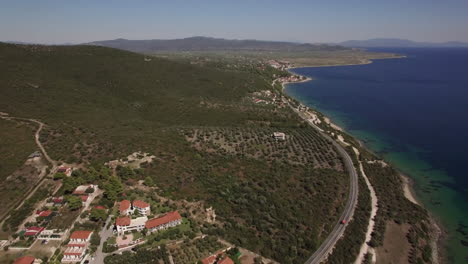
134	220
279	64
78	243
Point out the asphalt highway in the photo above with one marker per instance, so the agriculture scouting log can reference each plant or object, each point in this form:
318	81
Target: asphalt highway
329	243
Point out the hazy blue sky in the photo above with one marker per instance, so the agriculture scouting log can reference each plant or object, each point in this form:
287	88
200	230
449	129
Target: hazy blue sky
60	21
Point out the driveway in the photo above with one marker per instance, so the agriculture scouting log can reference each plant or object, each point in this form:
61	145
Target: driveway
104	234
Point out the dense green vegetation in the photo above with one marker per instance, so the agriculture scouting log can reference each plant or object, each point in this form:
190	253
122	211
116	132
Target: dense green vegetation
16	145
263	202
143	256
190	251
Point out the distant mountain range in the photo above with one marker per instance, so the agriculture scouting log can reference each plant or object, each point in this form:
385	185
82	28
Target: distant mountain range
399	43
211	44
219	44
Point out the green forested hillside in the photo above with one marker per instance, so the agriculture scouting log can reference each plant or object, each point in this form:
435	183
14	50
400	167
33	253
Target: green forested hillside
103	82
100	104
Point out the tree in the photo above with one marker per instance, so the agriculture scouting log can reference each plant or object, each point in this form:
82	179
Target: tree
104	173
125	172
74	202
95	241
113	188
97	214
149	181
59	176
69	184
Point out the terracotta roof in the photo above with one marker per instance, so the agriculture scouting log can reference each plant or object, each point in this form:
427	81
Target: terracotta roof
81	234
34	230
63	169
169	217
45	213
124	205
84	198
25	260
76	245
58	200
209	260
100	207
123	221
140	204
73	253
226	260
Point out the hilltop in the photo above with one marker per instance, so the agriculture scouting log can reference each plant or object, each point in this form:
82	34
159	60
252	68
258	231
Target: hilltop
212	44
400	43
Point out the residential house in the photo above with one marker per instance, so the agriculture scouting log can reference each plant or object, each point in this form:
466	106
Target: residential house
169	220
51	234
125	223
33	231
209	260
57	200
45	213
218	258
124	207
77	246
65	170
35	154
279	136
226	260
27	260
87	193
141	207
84	199
81	190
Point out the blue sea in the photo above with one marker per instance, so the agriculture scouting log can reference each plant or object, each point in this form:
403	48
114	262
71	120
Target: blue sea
413	112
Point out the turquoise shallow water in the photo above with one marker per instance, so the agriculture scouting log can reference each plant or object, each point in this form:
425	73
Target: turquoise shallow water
414	113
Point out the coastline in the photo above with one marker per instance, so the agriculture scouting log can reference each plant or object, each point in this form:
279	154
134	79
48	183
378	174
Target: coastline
364	62
408	189
438	234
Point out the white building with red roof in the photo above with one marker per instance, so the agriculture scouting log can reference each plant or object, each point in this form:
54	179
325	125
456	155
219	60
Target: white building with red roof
27	260
127	208
169	220
218	258
81	190
124	207
65	170
77	246
33	231
44	213
125	223
141	207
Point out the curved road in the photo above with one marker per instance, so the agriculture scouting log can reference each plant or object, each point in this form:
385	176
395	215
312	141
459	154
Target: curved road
329	243
44	152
